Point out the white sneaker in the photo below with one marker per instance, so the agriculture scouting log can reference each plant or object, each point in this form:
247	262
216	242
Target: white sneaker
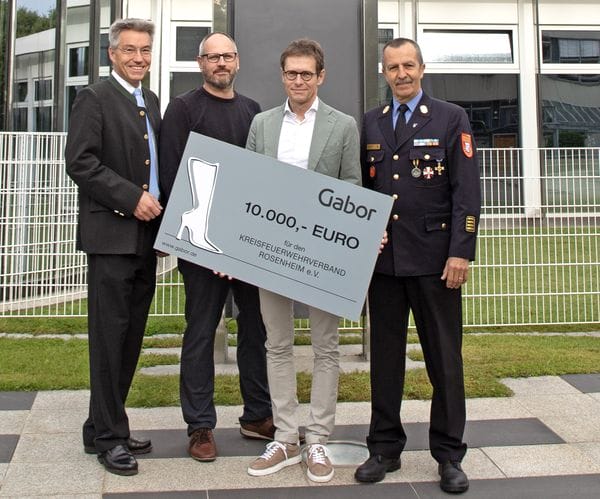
277	456
319	467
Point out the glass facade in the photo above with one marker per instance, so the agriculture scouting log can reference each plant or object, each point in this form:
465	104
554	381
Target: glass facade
571	47
570	110
473	65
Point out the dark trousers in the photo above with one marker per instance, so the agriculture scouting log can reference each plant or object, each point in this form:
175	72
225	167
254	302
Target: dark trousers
120	290
205	295
438	317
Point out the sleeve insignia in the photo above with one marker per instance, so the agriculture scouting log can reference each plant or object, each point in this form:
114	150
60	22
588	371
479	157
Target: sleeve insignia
467	144
470	224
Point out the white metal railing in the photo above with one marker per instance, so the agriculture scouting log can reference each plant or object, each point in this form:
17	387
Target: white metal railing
538	258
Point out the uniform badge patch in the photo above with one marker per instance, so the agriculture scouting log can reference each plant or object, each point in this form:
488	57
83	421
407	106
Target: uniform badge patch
373	147
467	144
372	171
470	224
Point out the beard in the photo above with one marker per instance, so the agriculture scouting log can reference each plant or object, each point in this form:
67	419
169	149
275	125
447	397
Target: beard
222	82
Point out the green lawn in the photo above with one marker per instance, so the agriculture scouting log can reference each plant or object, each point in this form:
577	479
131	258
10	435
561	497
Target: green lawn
54	364
526	276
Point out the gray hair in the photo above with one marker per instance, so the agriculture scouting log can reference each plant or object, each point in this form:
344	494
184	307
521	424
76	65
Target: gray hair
398	42
204	40
120	25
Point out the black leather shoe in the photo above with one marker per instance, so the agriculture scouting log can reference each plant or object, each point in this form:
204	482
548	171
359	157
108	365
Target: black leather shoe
135	446
453	478
119	461
375	468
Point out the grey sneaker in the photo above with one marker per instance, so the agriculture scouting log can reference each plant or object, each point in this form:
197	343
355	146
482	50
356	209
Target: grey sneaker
277	456
319	466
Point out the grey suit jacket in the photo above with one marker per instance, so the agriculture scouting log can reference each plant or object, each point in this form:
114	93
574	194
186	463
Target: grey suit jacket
334	148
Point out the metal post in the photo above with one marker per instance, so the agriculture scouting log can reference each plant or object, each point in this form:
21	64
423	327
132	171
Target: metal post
220	23
9	62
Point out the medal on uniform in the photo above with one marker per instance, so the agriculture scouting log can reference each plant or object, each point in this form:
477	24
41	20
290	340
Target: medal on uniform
416	171
439	168
428	172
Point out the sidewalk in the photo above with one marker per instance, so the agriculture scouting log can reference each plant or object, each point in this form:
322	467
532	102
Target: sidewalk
544	442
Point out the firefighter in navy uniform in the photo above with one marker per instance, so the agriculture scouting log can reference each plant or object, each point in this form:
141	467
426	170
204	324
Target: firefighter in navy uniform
419	150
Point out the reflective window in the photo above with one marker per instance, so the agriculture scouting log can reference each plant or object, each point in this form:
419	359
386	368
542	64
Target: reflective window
570	110
20	119
21	91
490	100
43	89
571	47
182	82
78	61
188	39
384	35
43	119
467	46
104	60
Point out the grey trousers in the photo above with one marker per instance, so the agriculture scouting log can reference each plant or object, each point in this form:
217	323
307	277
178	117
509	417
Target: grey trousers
278	317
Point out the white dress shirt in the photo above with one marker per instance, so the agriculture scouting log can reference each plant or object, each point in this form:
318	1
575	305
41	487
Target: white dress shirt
296	136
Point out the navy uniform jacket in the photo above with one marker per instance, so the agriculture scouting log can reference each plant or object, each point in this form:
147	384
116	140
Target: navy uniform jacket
436	211
107	156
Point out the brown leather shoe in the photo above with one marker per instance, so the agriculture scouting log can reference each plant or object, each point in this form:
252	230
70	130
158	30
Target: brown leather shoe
262	429
202	445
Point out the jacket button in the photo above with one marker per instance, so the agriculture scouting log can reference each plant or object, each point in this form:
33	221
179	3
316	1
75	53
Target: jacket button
396	176
395	196
395	217
146	136
142	113
371	159
145	187
395	157
147	162
427	156
444	225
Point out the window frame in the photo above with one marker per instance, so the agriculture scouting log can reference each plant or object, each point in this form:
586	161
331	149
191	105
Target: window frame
180	66
564	67
470	67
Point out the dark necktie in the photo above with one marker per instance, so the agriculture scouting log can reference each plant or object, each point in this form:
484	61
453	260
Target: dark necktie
400	122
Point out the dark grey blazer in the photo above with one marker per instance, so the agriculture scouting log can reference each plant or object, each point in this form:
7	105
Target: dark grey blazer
107	156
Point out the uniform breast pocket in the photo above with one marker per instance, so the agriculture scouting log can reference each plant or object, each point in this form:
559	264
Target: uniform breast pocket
428	166
375	161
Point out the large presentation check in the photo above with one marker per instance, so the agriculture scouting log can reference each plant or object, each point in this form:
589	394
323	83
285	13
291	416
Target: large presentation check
295	232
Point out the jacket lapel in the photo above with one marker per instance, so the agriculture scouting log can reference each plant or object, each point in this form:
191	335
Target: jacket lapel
386	126
420	116
272	130
324	123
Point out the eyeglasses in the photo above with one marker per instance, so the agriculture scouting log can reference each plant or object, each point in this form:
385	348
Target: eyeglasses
305	75
131	51
227	57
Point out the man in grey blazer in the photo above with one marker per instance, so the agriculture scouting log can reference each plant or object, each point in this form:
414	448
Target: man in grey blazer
307	133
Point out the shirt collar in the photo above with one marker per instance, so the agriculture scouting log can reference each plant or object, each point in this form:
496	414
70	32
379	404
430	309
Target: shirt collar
412	103
125	84
313	107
